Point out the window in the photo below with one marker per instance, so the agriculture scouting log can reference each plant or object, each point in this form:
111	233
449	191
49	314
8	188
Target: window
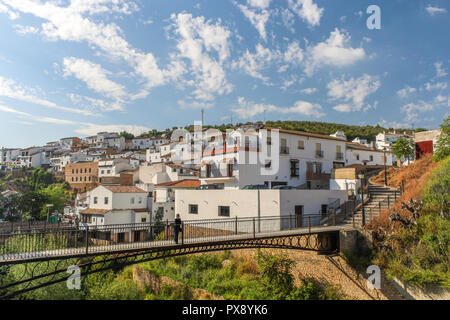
143	219
140	200
95	200
108	171
89	170
193	209
301	144
370	158
269	141
268	164
357	156
72	179
103	171
106	200
132	200
224	211
294	168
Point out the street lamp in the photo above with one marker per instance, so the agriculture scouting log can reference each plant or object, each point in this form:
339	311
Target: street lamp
361	177
385	171
48	209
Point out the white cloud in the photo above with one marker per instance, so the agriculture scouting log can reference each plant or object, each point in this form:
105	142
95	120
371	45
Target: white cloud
257	19
12	15
25	29
194	104
74	23
86	128
253	63
440	72
412	109
353	92
10	89
332	52
94	76
309	90
307	10
293	54
288	19
435	10
197	41
435	86
405	92
262	4
251	109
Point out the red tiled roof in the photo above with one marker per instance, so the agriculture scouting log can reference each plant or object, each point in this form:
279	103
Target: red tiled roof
125	189
187	183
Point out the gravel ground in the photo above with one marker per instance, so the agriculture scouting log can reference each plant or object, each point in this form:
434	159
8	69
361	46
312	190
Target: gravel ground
311	264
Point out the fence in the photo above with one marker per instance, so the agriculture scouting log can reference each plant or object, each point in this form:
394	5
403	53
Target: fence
63	241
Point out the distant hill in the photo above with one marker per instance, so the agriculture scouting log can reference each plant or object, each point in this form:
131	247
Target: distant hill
351	131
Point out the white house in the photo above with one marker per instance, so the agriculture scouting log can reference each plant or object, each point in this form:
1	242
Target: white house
279	204
8	156
113	167
303	160
116	205
387	139
164	197
361	154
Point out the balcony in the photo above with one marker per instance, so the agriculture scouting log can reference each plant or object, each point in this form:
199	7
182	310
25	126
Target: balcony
319	153
339	156
284	150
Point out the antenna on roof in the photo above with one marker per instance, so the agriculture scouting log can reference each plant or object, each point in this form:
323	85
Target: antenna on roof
202	117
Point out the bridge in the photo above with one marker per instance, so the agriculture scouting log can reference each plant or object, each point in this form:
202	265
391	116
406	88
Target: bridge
44	255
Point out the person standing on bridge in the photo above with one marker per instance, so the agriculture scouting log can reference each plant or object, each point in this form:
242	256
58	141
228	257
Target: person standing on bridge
177	228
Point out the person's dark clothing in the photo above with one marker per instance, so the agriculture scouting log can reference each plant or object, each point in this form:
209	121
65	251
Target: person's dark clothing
176	229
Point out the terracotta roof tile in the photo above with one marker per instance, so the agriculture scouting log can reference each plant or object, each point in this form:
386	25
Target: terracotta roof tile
125	189
187	183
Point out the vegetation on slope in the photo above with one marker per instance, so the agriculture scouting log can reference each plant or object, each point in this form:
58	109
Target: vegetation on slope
419	253
265	276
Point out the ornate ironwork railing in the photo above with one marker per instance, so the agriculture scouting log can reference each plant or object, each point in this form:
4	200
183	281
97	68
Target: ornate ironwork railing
84	239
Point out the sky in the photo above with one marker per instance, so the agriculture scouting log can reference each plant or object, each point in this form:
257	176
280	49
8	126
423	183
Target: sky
78	67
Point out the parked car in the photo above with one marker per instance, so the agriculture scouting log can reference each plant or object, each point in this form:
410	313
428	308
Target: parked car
209	187
256	187
284	188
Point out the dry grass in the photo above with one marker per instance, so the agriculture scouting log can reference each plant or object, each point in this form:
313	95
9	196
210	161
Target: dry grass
415	177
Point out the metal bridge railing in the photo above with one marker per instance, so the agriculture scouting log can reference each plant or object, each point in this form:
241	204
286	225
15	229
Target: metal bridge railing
67	241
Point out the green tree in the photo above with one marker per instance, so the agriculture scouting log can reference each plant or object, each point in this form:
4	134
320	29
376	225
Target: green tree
40	178
54	194
443	144
404	149
126	135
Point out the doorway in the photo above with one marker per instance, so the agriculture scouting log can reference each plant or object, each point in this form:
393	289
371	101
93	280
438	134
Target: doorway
298	216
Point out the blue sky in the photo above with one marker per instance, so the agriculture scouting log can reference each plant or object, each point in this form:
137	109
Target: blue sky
74	68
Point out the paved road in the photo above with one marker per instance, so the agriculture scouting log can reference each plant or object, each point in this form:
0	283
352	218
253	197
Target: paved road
111	249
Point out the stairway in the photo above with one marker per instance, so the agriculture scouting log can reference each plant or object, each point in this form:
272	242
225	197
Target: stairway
381	198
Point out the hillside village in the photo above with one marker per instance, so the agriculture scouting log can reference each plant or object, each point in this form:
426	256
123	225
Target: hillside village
119	180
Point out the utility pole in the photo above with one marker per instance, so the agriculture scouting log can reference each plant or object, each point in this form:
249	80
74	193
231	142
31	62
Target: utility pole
385	171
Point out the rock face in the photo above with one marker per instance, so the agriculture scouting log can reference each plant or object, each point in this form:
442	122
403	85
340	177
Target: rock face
144	278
